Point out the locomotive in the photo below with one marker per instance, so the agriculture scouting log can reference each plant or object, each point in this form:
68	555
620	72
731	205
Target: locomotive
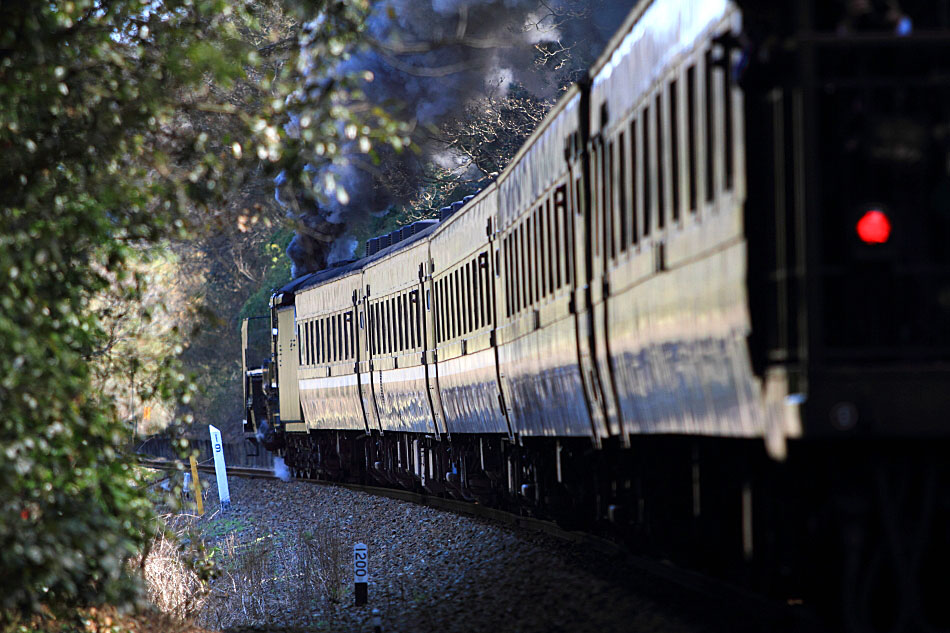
705	309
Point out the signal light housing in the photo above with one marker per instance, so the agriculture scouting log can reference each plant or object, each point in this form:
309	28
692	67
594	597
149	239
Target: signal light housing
874	227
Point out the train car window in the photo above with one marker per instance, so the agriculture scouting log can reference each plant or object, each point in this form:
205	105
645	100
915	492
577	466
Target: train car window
314	342
341	338
710	127
483	285
401	320
337	338
454	298
436	312
466	299
551	250
515	286
645	170
727	148
562	214
476	294
528	262
675	149
317	347
420	330
444	308
522	269
410	330
539	251
376	330
660	164
299	347
392	340
347	333
512	282
370	329
460	300
610	247
691	136
331	348
504	248
559	245
490	284
538	257
383	328
621	213
632	178
397	323
447	305
344	332
378	326
410	319
439	312
350	331
449	308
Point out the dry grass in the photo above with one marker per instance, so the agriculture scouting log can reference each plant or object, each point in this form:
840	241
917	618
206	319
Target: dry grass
171	582
323	559
257	575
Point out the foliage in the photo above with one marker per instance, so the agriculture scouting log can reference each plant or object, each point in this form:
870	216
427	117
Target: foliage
119	129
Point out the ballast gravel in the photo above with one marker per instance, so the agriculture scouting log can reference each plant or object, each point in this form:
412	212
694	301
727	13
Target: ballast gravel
429	571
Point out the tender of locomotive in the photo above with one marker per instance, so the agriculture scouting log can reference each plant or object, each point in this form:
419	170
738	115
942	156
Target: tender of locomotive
705	308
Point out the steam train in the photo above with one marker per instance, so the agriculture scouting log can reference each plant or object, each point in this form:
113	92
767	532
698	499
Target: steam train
705	309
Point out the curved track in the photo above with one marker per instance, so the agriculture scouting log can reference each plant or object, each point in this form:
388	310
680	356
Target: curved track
682	583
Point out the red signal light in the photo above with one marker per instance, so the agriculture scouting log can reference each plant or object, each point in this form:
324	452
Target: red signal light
874	227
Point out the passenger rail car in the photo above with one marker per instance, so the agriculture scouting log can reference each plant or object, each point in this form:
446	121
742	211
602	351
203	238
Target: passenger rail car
706	308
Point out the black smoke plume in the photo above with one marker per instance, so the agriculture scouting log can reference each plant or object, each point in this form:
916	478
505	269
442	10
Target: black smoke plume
428	59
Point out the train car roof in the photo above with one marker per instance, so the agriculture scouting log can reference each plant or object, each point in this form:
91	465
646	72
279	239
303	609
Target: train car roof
346	268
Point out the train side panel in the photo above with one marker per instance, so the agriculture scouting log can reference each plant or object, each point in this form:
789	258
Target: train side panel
537	351
328	377
395	305
667	192
466	372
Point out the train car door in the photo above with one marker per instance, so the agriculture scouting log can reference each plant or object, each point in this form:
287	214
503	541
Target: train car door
584	240
364	365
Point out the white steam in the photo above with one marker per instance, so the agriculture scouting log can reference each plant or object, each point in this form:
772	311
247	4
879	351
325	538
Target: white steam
280	469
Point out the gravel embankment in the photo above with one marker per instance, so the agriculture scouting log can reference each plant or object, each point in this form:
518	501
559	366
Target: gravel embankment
430	571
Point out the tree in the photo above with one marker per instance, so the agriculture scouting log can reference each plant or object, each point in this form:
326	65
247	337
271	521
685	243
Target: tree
99	162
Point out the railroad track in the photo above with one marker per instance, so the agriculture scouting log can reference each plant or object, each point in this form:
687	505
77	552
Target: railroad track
771	613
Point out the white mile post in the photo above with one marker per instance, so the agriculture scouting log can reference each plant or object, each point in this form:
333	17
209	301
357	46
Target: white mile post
360	573
217	447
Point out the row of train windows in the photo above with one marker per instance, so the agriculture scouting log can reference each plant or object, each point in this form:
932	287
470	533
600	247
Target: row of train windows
326	340
639	154
536	253
464	299
395	324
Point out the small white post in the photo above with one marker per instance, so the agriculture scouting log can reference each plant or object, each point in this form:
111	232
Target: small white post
217	447
360	573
